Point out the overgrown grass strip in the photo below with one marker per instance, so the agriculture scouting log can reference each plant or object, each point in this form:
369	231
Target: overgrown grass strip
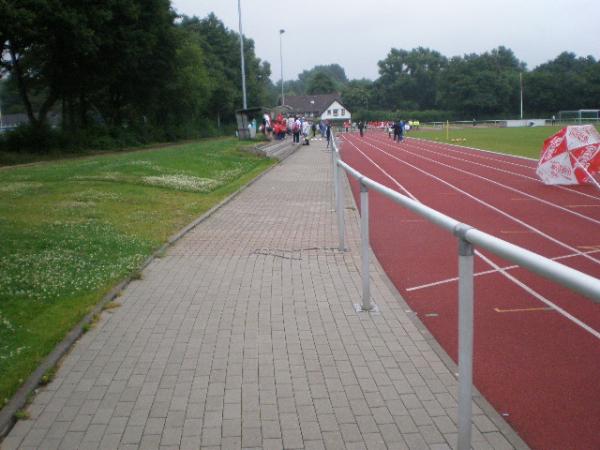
72	229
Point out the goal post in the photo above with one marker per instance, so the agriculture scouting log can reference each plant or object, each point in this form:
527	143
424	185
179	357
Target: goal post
579	116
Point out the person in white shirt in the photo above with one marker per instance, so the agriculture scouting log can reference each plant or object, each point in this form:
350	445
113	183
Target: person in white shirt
268	127
296	129
305	131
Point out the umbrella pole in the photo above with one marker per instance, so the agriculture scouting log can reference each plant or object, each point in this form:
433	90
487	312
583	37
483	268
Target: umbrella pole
578	164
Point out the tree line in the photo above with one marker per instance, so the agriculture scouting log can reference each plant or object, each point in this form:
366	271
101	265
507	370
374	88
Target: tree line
425	84
127	70
121	72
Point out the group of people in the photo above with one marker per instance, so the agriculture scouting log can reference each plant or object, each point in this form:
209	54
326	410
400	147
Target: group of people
397	129
295	126
301	129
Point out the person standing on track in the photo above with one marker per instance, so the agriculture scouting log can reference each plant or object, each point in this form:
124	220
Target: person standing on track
396	128
361	127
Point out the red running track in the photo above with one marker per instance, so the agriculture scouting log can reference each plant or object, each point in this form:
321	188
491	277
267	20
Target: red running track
537	345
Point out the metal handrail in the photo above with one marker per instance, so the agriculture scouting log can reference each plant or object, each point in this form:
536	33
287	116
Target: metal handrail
468	237
555	271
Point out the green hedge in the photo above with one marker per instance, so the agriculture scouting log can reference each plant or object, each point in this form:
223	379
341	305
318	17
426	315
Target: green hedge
44	140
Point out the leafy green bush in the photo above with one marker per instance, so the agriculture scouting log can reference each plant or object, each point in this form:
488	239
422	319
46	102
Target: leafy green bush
30	139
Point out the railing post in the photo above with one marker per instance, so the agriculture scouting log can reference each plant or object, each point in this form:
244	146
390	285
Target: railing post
465	340
364	248
340	207
335	169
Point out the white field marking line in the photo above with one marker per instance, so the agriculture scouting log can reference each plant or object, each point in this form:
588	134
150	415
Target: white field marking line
562	188
506	186
478	200
488	272
541	298
529	290
477	149
476	163
583	216
537	180
497	183
487	158
396	182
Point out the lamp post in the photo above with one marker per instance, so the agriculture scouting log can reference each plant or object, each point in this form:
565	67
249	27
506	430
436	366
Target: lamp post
521	88
242	57
281	59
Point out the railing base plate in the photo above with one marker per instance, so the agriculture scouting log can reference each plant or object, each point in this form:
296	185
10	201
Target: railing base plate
359	308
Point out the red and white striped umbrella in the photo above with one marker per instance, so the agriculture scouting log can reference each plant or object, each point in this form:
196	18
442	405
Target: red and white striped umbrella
571	156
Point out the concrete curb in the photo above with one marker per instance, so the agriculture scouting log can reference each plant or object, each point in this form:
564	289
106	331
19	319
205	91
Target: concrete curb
21	398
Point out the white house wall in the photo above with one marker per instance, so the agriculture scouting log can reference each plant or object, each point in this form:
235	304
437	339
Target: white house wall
329	112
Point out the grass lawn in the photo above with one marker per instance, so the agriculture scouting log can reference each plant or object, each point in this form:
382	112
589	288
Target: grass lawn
72	229
515	141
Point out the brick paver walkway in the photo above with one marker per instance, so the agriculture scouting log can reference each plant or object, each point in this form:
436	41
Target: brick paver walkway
244	336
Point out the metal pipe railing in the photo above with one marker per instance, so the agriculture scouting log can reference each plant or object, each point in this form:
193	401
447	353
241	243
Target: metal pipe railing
468	238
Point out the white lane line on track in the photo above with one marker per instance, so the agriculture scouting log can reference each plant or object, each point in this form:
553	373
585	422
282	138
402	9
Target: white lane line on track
484	203
497	183
510	277
486	272
492	152
474	152
470	152
542	299
396	182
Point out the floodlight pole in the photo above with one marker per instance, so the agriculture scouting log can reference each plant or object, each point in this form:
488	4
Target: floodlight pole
521	85
281	60
242	57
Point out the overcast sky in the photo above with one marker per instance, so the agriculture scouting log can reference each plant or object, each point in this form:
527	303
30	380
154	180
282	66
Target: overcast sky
357	33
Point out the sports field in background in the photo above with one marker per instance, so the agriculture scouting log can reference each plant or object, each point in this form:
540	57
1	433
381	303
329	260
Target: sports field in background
72	229
514	141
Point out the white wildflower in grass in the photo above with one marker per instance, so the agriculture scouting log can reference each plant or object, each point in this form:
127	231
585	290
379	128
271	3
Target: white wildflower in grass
76	204
228	175
183	182
18	186
5	323
91	195
144	163
108	176
71	259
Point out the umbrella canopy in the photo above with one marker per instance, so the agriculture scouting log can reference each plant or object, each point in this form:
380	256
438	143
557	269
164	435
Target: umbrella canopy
571	156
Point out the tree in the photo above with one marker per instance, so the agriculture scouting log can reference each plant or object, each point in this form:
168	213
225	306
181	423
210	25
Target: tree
320	83
567	82
408	79
185	97
222	56
334	72
25	54
357	94
107	57
482	85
